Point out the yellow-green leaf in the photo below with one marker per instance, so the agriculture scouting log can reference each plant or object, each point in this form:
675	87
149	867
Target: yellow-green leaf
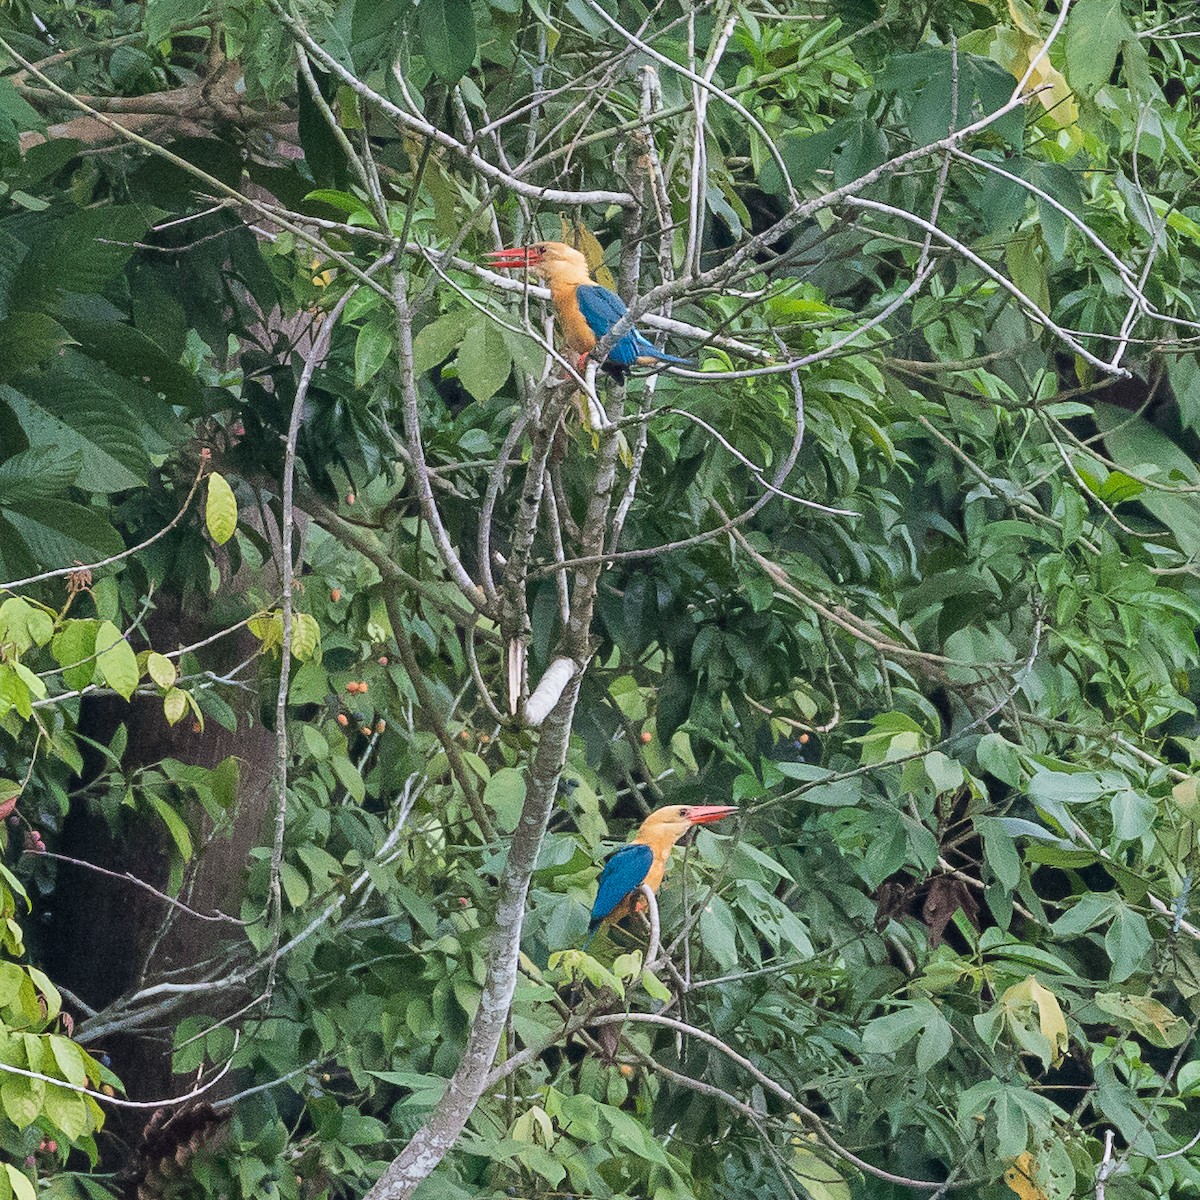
821	1180
174	705
73	648
627	966
268	628
70	1059
116	660
49	992
1021	1177
22	1189
576	234
161	669
1047	1038
220	513
1149	1017
306	636
655	988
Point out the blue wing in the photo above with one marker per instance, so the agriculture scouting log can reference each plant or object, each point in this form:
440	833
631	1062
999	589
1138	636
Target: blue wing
623	872
602	309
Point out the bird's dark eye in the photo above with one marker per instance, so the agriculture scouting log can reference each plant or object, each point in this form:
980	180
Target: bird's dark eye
683	813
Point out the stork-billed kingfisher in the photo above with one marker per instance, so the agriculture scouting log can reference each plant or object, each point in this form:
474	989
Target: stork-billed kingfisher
586	310
644	860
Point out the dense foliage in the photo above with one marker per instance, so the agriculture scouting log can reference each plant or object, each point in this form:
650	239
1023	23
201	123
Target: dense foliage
346	628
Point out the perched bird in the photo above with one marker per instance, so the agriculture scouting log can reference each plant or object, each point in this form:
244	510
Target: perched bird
586	311
644	860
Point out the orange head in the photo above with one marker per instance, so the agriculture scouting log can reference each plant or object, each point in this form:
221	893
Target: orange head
669	823
551	260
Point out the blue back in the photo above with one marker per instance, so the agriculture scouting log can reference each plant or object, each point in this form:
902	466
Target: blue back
623	872
602	309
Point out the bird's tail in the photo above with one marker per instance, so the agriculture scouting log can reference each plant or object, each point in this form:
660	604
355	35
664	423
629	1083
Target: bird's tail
647	349
663	356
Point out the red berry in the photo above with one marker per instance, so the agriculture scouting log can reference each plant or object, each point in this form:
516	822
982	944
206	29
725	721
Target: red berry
335	594
51	1146
803	739
343	720
383	660
365	731
350	497
647	737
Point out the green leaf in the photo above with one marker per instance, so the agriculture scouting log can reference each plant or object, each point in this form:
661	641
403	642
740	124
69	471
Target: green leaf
67	1110
371	350
887	1034
164	15
132	354
115	660
434	343
295	886
349	777
72	408
27	339
935	1041
21	1099
1095	31
1188	1079
81	252
220	510
59	533
1000	852
24	625
346	202
1128	942
35	474
484	362
1027	268
1088	911
175	824
447	32
504	795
